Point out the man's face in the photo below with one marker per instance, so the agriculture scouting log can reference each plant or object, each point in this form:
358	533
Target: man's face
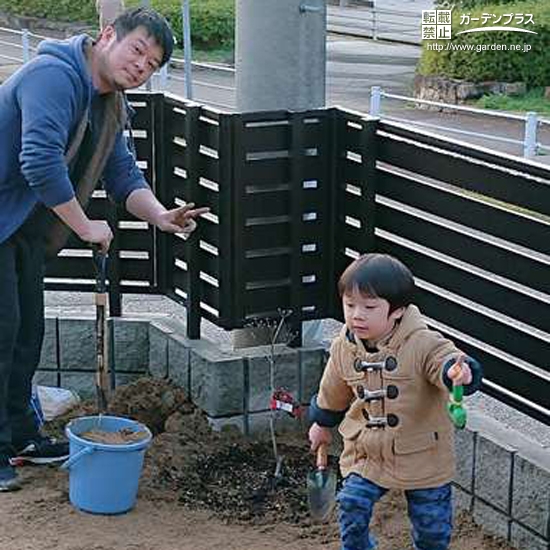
129	62
367	317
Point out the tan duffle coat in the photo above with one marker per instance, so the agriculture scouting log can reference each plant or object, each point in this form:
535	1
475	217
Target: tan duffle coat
403	439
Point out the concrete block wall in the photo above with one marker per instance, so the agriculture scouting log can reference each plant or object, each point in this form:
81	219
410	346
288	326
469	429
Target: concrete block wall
69	352
502	478
233	387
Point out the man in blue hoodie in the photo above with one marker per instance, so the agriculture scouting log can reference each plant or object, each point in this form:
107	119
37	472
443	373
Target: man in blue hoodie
62	117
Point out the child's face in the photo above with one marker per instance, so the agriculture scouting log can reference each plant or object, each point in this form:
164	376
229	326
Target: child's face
367	317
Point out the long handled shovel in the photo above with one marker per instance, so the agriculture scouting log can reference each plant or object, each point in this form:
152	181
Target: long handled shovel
102	368
321	487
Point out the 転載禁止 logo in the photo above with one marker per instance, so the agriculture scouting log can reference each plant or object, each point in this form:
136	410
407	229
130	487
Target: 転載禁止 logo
437	24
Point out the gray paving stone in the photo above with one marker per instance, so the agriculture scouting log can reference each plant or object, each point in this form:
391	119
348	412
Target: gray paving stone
493	472
462	500
178	361
77	343
45	378
464	449
48	355
258	424
286	374
531	498
217	383
158	351
83	383
227	424
493	521
312	364
131	345
525	540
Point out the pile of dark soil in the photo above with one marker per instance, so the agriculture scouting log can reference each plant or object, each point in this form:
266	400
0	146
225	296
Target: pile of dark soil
236	479
224	472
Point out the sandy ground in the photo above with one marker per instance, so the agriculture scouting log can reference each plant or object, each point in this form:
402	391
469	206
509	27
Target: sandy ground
198	491
40	517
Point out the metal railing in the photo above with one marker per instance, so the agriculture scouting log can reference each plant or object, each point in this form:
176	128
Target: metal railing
531	121
25	44
373	22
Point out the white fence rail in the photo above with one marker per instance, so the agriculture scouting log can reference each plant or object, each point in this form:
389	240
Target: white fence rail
371	21
531	121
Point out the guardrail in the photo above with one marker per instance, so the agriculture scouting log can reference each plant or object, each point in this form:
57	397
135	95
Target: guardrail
531	120
27	43
376	23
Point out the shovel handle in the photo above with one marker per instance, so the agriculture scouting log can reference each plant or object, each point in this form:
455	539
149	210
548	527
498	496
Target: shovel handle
100	264
322	457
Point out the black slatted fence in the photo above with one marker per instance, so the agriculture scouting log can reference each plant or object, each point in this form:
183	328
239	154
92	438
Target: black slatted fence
294	197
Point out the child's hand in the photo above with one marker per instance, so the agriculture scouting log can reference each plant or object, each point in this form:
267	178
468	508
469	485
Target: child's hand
460	373
319	436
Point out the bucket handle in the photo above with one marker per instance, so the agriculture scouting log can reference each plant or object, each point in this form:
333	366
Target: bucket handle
69	463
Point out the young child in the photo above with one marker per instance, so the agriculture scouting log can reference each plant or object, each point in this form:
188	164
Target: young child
387	384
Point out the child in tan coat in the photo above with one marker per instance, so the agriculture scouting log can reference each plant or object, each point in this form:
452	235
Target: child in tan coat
387	384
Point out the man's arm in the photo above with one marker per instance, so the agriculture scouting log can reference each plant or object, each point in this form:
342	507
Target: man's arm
47	97
92	231
143	204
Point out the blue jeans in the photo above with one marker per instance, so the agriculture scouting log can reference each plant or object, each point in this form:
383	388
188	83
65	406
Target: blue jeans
430	513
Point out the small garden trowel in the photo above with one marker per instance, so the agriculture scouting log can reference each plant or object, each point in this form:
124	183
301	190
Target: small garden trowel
321	487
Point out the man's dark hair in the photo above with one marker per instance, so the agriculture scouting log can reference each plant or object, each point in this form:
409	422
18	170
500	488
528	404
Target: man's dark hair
379	276
155	24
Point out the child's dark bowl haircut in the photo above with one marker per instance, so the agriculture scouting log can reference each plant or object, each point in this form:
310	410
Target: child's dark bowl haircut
379	276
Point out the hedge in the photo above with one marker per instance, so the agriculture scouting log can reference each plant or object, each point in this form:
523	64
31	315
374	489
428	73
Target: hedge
531	67
55	10
212	21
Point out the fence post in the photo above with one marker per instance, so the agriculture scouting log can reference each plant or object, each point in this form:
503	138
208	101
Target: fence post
26	45
374	33
192	163
297	230
530	138
375	100
187	53
368	183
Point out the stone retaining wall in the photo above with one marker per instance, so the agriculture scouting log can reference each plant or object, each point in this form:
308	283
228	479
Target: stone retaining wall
41	26
503	478
454	91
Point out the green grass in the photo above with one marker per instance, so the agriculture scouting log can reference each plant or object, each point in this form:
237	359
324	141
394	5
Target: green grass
220	55
533	100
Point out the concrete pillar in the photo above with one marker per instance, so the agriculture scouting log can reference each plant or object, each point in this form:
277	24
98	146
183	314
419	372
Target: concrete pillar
108	11
280	54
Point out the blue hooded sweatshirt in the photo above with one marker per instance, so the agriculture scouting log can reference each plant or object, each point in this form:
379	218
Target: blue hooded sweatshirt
41	106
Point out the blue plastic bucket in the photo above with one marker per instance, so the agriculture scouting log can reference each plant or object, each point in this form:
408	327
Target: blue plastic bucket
104	478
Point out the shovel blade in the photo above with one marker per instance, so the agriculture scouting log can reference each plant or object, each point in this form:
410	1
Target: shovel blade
321	488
